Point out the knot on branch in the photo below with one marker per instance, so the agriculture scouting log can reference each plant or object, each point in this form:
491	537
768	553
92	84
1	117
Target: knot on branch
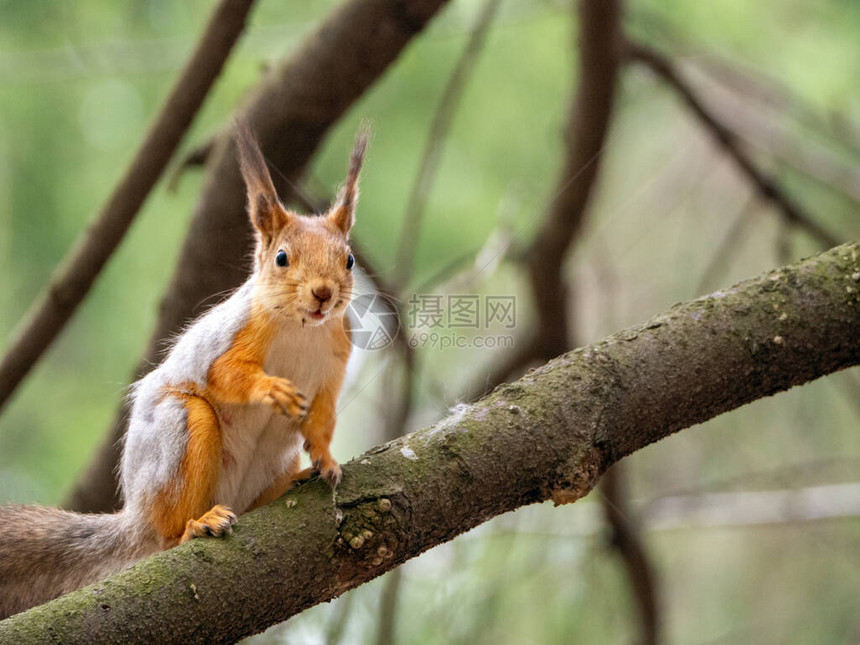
372	531
579	475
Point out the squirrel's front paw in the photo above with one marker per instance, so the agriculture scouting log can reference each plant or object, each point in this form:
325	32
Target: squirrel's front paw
330	471
283	396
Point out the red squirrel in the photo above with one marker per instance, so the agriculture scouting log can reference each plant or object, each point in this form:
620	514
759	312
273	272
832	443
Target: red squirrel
217	429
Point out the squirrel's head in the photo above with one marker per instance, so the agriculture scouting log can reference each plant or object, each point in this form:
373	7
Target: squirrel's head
303	263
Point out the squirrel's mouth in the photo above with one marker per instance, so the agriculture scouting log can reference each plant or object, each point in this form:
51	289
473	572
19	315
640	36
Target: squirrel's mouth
319	314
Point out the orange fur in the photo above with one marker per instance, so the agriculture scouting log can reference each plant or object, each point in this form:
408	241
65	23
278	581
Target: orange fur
216	521
237	376
342	347
191	494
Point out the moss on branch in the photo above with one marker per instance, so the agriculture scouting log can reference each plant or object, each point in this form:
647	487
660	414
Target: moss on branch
549	435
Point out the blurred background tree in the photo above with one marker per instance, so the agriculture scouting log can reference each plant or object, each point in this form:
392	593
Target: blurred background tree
754	528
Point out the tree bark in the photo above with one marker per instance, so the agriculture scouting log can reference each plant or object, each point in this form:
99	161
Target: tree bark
549	435
290	112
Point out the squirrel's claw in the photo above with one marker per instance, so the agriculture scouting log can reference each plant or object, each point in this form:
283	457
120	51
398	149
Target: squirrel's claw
217	521
329	470
285	398
332	475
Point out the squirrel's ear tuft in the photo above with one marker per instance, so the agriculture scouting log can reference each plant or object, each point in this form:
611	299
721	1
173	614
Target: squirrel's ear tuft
264	208
342	213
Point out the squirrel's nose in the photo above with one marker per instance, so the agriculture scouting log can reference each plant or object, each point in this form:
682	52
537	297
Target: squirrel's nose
322	293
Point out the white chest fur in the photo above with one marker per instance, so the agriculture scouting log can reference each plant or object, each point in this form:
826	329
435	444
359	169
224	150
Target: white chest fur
260	443
305	355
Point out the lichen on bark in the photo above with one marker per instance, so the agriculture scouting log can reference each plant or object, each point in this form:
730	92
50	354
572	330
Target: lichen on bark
547	436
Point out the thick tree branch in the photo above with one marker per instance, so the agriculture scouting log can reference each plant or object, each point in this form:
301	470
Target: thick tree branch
290	112
79	269
404	261
550	435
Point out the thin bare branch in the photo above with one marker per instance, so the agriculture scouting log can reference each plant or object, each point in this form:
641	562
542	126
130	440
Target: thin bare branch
510	365
196	157
731	240
850	386
754	508
600	47
337	625
400	408
76	274
386	626
754	85
774	95
626	539
441	123
766	185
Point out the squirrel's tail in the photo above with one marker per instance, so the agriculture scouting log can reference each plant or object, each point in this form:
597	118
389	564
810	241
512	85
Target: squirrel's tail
46	552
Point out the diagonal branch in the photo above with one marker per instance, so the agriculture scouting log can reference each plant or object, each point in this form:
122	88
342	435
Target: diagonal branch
766	185
580	413
290	111
79	269
626	539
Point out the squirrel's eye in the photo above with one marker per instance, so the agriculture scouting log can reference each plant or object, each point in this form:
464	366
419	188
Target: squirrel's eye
281	259
350	261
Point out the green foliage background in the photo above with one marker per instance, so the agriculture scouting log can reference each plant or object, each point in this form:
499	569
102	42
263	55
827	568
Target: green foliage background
79	83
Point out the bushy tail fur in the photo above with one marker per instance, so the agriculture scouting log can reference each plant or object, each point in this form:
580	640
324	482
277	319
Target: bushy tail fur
47	552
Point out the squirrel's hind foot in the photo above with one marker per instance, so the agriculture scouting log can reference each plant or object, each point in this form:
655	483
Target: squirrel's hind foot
330	472
217	521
